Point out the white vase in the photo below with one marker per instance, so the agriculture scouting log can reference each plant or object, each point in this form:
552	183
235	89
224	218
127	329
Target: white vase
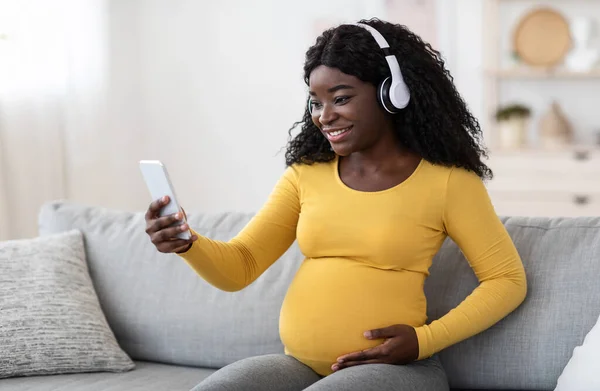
582	57
513	132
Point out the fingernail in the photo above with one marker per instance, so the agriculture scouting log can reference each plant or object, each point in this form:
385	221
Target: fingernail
184	227
178	216
367	334
335	367
164	199
194	238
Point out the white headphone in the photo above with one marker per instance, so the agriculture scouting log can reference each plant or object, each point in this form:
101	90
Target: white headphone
393	94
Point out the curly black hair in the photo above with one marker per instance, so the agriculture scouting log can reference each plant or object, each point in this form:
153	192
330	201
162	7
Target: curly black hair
436	124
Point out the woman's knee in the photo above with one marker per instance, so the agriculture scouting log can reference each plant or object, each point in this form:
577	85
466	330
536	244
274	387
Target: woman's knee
273	372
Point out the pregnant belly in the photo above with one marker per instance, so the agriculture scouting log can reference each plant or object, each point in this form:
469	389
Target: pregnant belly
333	301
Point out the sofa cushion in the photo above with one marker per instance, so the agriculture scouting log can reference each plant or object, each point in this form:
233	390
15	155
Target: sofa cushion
157	306
145	377
529	348
50	319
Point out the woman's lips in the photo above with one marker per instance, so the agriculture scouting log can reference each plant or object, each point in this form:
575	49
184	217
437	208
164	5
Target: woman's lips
337	135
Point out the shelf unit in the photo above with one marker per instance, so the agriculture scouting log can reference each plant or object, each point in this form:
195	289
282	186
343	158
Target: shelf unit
531	181
494	74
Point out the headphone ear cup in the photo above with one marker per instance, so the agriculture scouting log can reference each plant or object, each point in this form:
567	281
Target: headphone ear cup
383	96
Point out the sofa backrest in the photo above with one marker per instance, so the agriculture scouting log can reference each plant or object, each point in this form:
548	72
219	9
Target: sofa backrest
157	306
160	310
528	349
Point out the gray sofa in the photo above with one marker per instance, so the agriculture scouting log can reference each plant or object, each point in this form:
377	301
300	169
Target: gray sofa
178	328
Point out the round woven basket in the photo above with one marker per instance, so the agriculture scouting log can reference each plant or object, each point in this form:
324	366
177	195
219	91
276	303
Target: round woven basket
542	37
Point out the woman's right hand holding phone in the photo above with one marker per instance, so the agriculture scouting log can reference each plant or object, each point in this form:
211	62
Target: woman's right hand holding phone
161	231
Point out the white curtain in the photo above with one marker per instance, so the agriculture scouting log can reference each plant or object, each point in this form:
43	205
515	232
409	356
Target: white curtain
43	77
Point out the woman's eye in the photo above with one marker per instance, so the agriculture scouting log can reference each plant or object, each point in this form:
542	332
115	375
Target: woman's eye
315	104
341	100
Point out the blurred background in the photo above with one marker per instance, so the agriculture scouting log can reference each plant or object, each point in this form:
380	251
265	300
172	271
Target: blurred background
90	87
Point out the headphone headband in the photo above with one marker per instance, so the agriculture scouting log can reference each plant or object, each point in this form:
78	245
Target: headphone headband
383	44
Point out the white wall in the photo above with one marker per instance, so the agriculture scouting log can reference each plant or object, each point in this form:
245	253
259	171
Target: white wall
579	98
221	86
465	35
105	123
210	88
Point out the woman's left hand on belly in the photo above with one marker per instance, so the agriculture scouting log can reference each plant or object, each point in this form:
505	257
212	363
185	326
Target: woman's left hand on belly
400	346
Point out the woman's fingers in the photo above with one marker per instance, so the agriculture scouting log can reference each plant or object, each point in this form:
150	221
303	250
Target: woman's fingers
168	234
155	207
174	246
164	222
376	352
337	367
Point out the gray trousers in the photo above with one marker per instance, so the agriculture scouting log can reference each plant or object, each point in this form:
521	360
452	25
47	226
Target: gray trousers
278	372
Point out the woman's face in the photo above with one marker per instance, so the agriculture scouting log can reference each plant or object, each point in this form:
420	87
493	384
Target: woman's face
346	111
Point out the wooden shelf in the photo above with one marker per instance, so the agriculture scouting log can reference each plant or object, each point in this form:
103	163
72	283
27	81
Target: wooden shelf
542	73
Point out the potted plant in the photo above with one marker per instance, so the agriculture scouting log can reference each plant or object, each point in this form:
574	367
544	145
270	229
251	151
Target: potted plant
513	122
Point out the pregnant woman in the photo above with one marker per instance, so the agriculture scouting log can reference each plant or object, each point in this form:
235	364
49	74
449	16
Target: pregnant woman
386	166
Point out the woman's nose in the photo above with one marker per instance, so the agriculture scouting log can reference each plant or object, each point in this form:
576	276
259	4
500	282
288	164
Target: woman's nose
328	114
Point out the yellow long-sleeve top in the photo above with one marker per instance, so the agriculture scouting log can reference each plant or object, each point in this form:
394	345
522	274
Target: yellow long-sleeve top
367	255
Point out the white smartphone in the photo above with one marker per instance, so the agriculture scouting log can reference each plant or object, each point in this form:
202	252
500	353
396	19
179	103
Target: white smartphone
159	184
